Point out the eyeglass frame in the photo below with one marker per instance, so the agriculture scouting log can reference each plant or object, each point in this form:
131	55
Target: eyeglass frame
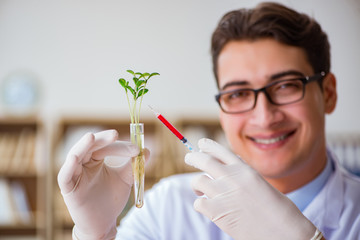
305	80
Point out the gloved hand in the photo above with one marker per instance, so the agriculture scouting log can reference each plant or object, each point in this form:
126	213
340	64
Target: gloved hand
240	202
96	191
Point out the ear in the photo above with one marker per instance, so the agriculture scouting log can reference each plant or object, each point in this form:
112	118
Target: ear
330	93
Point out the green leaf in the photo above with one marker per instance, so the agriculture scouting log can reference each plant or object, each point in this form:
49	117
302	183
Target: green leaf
154	74
135	79
139	83
139	74
122	82
131	90
142	92
131	71
139	89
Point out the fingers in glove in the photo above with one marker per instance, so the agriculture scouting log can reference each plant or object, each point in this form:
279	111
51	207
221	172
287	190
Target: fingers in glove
82	148
204	185
205	163
91	142
122	165
208	207
72	168
103	139
116	157
218	151
117	148
80	154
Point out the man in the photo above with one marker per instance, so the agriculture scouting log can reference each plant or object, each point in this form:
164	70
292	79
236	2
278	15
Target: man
272	67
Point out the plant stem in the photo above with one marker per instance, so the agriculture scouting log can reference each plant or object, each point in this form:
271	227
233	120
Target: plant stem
141	99
128	100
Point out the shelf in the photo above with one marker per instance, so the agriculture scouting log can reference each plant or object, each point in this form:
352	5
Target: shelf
22	185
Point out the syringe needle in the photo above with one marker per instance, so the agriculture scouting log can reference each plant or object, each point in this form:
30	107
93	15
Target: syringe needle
156	113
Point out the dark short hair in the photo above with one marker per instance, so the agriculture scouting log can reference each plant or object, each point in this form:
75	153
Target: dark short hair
273	20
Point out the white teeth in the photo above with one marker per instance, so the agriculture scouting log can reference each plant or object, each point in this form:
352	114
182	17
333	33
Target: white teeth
270	140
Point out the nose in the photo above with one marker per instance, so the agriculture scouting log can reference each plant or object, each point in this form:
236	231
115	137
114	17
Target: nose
265	114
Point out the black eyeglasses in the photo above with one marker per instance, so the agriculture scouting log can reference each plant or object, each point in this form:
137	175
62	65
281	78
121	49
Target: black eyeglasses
278	93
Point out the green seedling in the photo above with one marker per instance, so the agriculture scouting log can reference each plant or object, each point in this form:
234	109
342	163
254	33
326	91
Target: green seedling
137	91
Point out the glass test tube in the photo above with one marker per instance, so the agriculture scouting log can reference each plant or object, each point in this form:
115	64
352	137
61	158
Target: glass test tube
138	162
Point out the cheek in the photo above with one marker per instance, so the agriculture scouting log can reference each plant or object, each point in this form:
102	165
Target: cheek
314	110
223	121
232	125
316	120
309	114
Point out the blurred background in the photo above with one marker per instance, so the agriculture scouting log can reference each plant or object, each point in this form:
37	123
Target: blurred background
77	50
60	62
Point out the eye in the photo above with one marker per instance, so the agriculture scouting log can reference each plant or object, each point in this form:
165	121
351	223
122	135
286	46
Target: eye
287	86
237	95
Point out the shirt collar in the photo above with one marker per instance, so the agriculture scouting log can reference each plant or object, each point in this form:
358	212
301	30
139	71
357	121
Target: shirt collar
304	195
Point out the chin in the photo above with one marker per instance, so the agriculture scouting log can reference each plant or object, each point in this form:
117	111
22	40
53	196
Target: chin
271	164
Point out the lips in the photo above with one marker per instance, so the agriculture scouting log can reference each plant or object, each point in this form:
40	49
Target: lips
273	139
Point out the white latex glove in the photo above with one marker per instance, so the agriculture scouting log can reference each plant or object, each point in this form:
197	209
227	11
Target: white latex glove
95	193
240	201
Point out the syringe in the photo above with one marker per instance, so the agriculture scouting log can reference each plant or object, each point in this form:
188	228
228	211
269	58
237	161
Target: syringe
174	130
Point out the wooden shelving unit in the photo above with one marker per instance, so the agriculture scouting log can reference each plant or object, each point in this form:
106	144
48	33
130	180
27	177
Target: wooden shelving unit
22	179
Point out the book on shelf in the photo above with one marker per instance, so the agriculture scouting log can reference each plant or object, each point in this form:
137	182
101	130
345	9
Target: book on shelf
7	216
15	208
17	152
22	210
22	159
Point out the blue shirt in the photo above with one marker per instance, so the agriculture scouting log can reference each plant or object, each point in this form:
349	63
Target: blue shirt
304	195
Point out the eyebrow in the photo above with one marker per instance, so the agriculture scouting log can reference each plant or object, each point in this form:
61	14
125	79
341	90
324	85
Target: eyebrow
272	78
235	83
286	73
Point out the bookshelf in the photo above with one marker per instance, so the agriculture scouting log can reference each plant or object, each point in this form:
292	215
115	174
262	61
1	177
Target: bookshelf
22	179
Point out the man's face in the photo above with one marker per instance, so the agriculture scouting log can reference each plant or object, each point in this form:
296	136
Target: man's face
278	141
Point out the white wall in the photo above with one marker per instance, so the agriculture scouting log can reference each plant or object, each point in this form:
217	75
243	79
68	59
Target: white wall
79	49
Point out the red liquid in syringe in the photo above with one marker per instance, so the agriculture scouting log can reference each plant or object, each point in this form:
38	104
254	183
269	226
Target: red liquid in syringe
171	127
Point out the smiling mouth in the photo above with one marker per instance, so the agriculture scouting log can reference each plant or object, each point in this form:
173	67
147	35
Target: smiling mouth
272	140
